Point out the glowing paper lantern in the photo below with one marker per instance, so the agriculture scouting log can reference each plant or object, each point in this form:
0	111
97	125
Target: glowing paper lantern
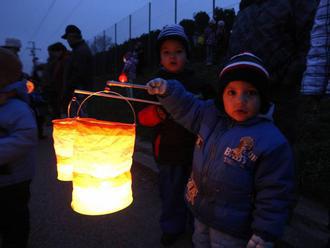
101	174
123	78
30	87
64	135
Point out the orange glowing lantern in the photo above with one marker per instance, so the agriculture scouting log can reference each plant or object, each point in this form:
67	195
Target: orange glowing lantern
101	174
29	87
97	156
122	78
64	135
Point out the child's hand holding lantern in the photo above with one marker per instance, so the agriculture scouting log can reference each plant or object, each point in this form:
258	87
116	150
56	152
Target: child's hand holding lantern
157	86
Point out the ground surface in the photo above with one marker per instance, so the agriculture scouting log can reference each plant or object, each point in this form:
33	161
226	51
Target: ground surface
55	225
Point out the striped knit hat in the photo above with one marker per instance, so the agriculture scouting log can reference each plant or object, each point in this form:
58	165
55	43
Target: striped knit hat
246	67
175	32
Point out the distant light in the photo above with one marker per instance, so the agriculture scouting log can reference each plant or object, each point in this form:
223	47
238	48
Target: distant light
122	78
30	87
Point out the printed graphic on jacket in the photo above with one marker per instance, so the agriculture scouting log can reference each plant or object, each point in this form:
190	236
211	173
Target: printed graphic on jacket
192	191
199	141
241	154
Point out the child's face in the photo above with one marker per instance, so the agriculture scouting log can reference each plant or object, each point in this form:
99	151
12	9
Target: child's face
241	100
173	56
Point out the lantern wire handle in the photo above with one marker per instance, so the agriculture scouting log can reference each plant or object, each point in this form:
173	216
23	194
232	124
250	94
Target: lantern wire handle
74	99
112	92
84	92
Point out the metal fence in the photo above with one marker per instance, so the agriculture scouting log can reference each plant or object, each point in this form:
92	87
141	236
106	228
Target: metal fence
152	16
157	14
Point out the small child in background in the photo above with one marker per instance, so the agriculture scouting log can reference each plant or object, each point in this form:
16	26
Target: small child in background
18	138
130	63
210	41
173	144
242	181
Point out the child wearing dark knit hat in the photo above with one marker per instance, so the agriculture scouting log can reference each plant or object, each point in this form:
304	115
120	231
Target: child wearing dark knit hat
173	144
173	32
249	68
241	188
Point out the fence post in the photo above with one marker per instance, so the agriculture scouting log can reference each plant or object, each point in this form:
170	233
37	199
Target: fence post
213	8
116	52
130	27
149	35
95	52
104	41
104	54
175	11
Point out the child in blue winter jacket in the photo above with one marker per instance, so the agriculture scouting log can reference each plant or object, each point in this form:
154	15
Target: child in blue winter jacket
18	138
242	182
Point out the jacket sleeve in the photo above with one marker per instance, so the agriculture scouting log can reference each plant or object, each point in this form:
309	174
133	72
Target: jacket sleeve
185	108
274	184
21	135
316	76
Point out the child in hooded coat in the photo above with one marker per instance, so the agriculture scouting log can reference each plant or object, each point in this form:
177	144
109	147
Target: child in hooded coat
18	138
241	188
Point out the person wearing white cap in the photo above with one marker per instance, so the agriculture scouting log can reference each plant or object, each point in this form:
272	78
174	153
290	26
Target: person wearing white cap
13	44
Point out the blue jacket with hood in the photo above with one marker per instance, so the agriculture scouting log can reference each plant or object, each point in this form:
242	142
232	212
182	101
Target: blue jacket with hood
18	138
243	173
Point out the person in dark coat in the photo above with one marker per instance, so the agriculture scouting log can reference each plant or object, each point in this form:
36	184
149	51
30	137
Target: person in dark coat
316	79
279	33
79	72
55	76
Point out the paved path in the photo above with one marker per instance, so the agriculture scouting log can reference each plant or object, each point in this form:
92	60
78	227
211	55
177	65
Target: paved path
56	225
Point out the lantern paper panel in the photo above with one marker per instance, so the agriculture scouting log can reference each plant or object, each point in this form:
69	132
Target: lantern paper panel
103	149
98	196
64	135
103	157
